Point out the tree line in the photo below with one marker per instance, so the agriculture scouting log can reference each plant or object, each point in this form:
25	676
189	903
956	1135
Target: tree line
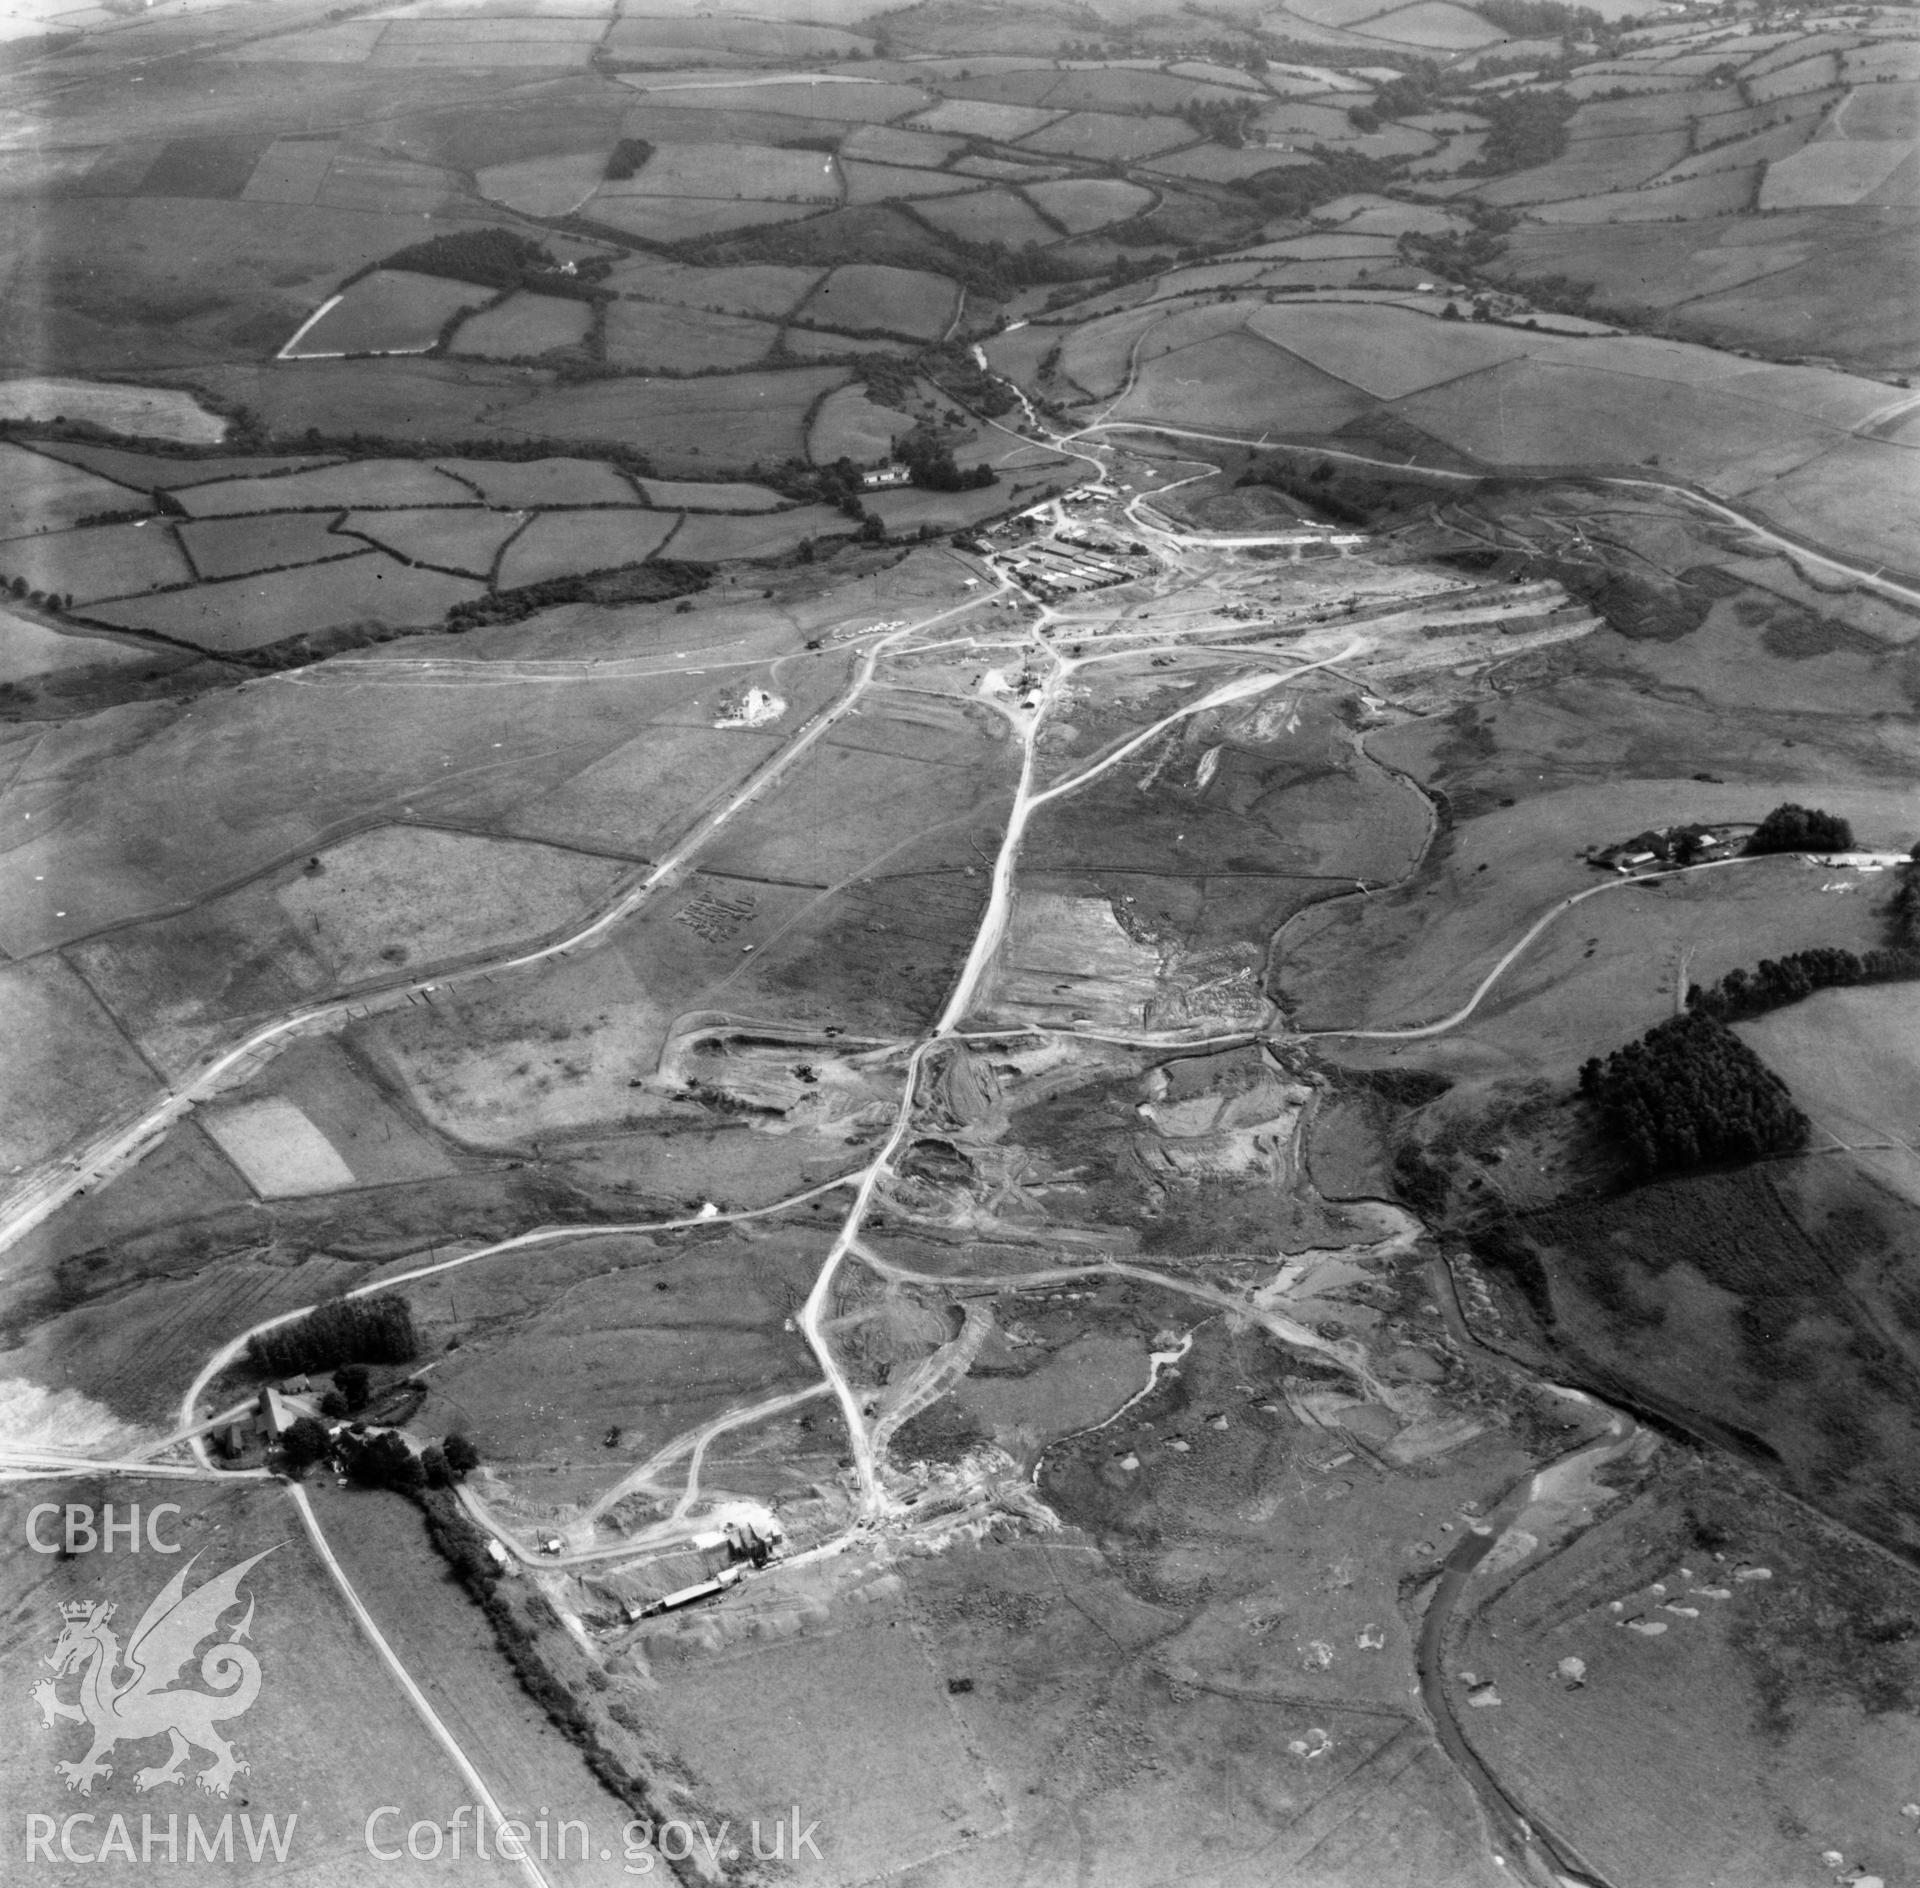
1776	982
1690	1093
375	1330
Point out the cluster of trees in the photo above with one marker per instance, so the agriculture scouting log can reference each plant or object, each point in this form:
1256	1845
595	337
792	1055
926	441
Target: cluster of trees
1297	189
1690	1093
952	368
1344	494
381	1461
626	158
1795	828
931	464
836	484
45	599
1227	121
1460	255
1524	129
349	1330
1543	19
497	258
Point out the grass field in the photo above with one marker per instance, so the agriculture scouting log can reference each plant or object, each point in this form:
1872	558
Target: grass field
848	425
330	1733
140	412
1723	192
374	1138
1082	204
41	493
68	1070
1831	172
861	297
1856	496
388	312
148	472
524	325
882	144
31	651
256	612
703	539
751	289
970	118
396	896
1239	383
114	560
1101	136
1214	163
521	483
556	543
729	170
1664	1714
544	186
855	102
1593	166
884	183
657	337
990	216
681	219
466	541
231	547
720	421
1852	1059
449	1645
1605	972
277	1149
698	495
364	482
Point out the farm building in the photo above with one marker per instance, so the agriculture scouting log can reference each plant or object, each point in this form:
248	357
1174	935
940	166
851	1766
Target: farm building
885	477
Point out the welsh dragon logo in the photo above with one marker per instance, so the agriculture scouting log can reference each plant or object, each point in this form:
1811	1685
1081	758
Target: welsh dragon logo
141	1705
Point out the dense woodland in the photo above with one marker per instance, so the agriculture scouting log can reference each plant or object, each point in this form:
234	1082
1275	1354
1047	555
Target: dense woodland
1690	1093
375	1330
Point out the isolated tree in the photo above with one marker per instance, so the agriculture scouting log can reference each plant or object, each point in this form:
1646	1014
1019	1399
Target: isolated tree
334	1405
355	1383
461	1456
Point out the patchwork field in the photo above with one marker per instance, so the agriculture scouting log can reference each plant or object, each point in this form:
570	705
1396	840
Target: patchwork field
466	541
348	593
524	325
365	482
311	693
231	547
987	216
658	338
861	299
389	312
557	542
113	560
729	170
